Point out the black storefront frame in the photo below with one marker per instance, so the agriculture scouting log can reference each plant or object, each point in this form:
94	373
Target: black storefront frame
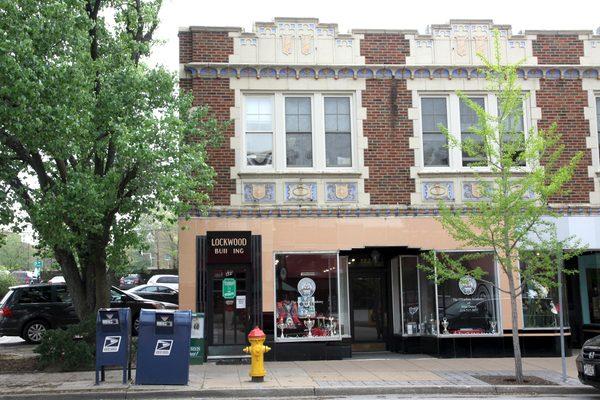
254	280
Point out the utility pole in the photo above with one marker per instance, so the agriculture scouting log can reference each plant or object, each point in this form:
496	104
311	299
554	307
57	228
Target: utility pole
561	318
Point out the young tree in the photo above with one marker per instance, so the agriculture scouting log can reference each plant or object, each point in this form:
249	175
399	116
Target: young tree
14	253
91	138
514	218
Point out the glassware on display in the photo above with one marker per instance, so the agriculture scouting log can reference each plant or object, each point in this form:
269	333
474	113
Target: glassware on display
281	325
445	324
309	323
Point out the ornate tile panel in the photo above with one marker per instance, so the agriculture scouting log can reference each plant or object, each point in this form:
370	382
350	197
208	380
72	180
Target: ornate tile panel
433	191
259	192
474	191
301	192
341	192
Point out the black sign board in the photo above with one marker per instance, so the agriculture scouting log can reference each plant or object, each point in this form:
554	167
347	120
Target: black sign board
228	247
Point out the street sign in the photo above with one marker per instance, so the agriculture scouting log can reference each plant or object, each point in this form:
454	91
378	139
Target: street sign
229	288
38	263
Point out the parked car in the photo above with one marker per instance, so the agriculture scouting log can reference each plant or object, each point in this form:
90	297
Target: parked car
24	277
588	363
171	281
29	310
129	281
57	279
156	292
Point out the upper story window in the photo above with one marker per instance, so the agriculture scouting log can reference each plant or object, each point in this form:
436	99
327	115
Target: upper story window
435	145
337	132
449	111
259	130
512	131
598	115
299	132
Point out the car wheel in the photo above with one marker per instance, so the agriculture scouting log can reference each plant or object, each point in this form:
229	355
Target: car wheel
34	331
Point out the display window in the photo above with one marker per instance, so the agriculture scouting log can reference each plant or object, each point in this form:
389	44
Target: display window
540	306
469	306
307	301
417	299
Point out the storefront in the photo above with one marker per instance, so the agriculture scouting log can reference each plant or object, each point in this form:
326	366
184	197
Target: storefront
327	288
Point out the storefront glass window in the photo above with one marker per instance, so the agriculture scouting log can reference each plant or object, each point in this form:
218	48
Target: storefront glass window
306	295
418	299
540	306
469	306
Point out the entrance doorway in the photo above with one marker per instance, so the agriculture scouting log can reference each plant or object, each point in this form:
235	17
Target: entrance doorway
228	308
369	305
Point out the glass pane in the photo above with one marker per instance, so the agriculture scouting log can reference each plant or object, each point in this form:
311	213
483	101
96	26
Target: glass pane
435	150
592	276
337	114
338	148
468	116
540	306
291	123
229	323
410	296
476	143
259	148
298	114
344	311
427	315
298	149
598	113
306	296
468	306
259	114
434	113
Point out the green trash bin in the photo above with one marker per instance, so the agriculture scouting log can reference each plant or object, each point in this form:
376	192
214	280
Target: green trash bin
197	341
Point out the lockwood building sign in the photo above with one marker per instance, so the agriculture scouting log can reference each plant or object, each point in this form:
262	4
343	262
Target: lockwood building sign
228	247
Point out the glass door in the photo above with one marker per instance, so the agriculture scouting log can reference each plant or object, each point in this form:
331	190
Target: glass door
369	305
228	308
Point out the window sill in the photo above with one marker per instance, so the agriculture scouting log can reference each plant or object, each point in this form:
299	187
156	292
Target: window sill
453	172
352	173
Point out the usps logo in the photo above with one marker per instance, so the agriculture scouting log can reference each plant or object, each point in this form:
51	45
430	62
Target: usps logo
111	344
163	347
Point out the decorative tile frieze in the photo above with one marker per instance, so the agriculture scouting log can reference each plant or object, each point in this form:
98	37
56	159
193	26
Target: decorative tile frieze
433	191
341	192
301	192
474	191
259	192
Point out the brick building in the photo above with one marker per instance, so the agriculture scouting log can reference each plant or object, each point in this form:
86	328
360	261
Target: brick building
329	175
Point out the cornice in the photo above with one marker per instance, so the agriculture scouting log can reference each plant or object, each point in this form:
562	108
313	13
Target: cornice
380	71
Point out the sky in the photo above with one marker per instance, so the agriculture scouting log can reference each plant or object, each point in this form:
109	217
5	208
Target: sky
379	14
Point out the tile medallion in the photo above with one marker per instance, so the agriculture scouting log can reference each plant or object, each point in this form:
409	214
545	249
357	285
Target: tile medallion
301	191
341	192
259	192
474	191
438	191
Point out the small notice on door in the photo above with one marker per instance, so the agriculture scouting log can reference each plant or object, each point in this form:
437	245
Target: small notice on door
240	302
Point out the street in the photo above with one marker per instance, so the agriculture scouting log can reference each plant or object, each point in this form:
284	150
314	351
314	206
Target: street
381	397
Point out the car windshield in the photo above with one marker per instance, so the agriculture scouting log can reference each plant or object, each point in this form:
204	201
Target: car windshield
5	298
116	295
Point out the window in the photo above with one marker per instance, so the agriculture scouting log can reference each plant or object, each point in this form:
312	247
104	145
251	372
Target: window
540	306
298	132
417	299
513	134
42	294
259	130
148	289
435	145
168	279
468	121
306	295
304	132
338	136
598	115
62	294
469	306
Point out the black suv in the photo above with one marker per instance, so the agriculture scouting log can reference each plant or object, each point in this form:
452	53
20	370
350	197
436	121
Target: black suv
588	363
29	310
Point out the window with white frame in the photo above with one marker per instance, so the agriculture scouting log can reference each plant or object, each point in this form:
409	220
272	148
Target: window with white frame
468	122
259	130
513	131
598	116
448	111
298	132
435	144
306	131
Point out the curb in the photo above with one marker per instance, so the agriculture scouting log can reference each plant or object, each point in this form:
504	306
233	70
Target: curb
129	393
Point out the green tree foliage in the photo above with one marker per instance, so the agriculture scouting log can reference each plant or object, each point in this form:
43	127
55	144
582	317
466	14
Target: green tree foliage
6	281
526	170
91	137
14	254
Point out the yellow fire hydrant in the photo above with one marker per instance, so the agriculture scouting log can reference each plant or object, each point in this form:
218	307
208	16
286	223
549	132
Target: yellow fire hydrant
257	350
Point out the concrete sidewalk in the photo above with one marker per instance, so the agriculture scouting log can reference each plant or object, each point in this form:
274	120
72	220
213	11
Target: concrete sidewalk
375	374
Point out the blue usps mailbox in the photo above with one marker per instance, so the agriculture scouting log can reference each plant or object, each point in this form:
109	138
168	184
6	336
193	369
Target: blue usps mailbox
163	356
113	341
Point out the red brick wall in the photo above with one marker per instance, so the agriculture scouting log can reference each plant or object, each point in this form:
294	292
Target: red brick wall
388	130
557	49
185	47
216	94
384	48
203	46
562	101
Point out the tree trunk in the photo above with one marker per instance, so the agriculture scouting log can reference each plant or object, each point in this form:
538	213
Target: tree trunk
77	287
515	330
